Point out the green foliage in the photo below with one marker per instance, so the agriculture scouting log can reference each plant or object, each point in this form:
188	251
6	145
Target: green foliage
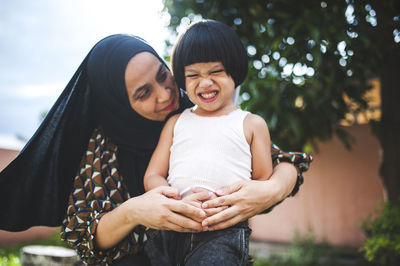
304	56
383	235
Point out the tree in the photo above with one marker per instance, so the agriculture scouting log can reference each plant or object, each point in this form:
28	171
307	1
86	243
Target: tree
306	59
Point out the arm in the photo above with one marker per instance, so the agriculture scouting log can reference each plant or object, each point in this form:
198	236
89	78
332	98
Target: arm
257	135
155	209
157	170
252	197
99	204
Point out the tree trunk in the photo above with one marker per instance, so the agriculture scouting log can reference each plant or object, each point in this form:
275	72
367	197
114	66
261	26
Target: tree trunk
390	127
48	256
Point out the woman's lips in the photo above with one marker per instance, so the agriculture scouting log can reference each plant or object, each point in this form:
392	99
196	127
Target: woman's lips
170	106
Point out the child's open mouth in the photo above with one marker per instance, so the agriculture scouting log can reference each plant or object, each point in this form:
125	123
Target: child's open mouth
208	96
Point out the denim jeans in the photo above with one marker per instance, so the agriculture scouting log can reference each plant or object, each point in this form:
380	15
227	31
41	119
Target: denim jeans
222	247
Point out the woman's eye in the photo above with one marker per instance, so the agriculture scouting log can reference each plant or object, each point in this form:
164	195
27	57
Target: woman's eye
143	94
192	75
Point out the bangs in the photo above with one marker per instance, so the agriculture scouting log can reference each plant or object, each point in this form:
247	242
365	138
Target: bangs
202	47
209	41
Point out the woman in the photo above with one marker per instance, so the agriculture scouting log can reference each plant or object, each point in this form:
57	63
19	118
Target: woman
109	118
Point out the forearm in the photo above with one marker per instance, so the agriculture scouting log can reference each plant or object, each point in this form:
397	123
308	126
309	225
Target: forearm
116	225
152	181
284	177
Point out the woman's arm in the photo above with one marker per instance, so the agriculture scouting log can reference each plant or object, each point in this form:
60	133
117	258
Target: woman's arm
97	195
155	209
249	198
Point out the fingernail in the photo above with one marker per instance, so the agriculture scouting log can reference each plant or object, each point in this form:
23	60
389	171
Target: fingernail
202	213
210	193
219	192
204	205
204	223
205	228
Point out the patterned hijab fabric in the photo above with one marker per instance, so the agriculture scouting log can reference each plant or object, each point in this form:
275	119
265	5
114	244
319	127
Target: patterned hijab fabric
36	185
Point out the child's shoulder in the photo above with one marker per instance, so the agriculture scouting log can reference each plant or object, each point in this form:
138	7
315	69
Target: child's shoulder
254	120
173	119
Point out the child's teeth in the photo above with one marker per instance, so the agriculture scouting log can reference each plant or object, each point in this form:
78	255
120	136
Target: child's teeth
208	95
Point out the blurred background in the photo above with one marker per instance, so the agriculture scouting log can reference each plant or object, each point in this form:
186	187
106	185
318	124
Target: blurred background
323	74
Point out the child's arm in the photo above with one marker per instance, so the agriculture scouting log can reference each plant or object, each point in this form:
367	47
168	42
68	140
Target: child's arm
157	169
257	135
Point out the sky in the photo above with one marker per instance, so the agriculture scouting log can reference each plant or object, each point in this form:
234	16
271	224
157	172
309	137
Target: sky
42	43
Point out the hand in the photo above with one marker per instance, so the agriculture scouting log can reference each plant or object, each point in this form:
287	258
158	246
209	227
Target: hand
246	199
201	195
160	208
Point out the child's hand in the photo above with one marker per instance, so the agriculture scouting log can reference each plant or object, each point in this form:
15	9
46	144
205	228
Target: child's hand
201	195
198	196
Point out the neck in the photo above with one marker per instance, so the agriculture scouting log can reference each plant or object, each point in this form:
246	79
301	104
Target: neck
224	111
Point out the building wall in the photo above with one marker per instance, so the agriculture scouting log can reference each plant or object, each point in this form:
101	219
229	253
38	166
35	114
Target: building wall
341	188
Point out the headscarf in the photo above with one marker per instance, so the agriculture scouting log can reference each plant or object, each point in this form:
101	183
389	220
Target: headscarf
35	186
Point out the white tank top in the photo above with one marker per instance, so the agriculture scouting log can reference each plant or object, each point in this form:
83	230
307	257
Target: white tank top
209	152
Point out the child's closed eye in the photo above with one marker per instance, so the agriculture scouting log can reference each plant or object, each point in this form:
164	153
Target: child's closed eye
218	71
191	75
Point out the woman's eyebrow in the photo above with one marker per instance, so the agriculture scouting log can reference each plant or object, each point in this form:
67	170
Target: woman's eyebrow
159	75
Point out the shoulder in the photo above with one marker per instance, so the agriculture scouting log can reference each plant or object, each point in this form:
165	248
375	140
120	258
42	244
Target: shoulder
172	120
254	126
170	125
255	122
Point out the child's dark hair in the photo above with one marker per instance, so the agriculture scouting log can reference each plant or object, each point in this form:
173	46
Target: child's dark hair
209	41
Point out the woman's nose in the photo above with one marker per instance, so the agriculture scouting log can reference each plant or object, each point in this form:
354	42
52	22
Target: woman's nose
163	94
205	82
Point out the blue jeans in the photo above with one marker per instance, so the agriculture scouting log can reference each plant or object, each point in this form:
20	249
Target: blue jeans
222	247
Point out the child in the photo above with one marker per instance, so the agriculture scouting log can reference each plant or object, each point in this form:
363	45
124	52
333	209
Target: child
209	146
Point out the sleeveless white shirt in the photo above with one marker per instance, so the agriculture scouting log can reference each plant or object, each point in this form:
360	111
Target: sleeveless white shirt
209	152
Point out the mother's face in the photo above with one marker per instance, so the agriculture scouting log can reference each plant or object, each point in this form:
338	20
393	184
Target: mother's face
150	86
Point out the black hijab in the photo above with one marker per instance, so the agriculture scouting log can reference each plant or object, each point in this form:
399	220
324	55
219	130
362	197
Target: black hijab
35	186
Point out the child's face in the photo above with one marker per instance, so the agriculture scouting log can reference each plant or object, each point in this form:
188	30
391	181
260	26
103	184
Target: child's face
210	88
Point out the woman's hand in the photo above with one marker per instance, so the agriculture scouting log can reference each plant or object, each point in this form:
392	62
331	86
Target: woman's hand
161	208
248	198
201	195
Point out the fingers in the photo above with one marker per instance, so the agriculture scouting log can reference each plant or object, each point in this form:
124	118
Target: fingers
223	219
179	223
169	192
219	202
187	210
198	189
213	211
220	217
225	224
229	189
200	196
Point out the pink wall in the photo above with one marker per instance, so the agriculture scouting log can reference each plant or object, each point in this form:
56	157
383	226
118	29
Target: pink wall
341	188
